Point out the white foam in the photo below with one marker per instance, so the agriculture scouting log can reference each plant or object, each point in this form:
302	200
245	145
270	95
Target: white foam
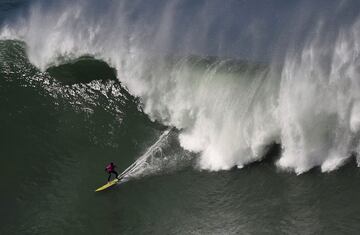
311	106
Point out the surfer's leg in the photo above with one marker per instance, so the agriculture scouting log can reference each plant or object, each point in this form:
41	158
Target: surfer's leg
109	177
115	173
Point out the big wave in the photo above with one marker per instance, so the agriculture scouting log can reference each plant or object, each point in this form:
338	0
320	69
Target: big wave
305	97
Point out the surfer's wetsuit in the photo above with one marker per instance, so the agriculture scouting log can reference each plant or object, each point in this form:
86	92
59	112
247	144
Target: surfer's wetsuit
111	169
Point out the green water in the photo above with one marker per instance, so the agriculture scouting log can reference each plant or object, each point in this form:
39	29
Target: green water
54	150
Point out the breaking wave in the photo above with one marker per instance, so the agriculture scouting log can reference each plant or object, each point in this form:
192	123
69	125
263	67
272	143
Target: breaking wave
305	97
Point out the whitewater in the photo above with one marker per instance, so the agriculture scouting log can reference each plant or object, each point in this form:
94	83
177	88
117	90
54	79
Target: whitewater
305	97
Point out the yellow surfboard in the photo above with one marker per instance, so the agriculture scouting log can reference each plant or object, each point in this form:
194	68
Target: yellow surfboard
108	185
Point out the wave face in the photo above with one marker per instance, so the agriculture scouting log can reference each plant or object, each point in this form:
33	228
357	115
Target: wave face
304	94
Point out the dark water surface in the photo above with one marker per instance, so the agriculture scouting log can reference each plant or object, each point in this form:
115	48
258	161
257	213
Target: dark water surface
59	128
53	155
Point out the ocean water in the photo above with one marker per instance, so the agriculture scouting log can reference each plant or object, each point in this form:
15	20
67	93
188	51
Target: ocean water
226	117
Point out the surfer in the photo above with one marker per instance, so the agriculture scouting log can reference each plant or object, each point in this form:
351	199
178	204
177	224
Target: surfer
111	169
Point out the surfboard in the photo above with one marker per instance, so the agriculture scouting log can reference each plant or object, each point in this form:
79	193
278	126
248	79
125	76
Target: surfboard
108	185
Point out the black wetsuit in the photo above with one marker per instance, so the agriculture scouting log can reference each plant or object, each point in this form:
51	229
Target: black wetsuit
111	170
114	172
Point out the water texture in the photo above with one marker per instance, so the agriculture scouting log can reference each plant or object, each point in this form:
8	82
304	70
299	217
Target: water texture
227	117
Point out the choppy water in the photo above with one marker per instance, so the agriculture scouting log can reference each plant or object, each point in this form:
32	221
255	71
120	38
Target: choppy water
233	128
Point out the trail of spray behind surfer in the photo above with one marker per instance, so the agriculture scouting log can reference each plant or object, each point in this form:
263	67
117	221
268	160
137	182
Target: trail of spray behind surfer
154	160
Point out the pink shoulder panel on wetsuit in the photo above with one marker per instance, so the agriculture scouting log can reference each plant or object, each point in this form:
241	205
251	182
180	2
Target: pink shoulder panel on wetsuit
109	168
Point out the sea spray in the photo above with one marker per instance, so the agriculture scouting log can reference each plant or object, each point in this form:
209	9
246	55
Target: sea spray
161	157
308	102
318	102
